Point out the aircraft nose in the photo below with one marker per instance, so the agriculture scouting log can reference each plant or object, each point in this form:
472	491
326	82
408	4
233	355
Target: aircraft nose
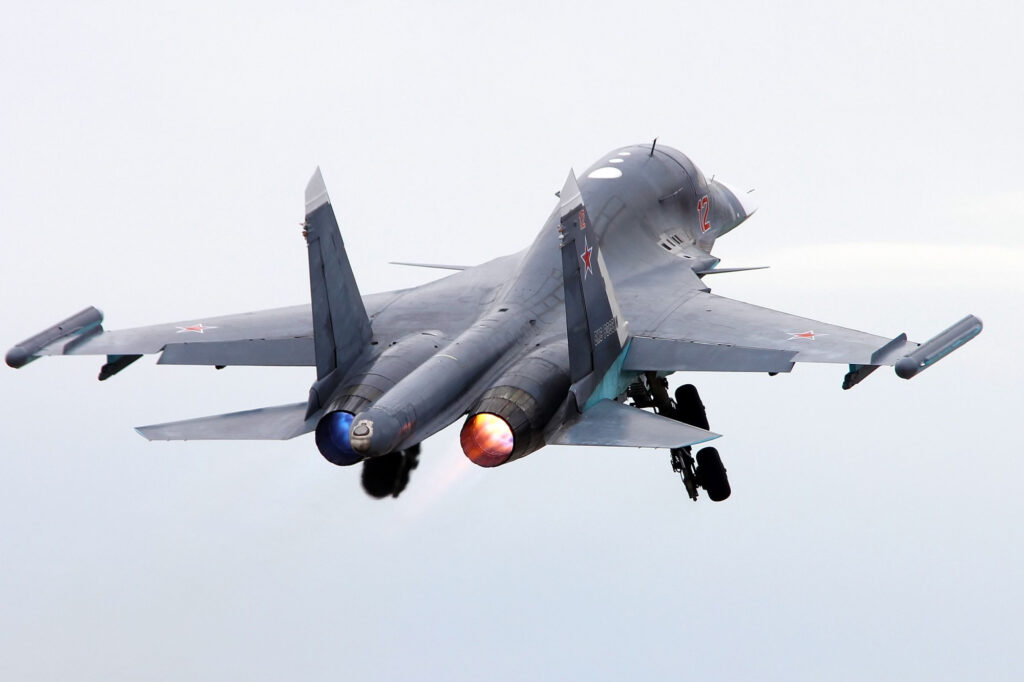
374	432
747	200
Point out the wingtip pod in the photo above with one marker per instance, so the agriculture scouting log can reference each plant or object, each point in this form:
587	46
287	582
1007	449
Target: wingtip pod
316	192
17	357
84	322
938	347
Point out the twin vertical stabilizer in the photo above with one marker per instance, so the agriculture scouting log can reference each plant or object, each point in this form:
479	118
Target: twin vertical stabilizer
341	329
596	331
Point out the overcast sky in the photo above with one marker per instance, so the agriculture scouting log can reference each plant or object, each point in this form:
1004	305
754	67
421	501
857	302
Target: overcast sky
152	162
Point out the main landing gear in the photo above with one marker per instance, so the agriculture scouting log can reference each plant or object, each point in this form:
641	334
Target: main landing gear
707	471
387	475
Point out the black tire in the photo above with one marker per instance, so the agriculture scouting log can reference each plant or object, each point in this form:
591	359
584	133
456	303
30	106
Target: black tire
711	475
689	408
380	474
388	475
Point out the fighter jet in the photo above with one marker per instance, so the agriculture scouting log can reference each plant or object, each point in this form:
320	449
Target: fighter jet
568	342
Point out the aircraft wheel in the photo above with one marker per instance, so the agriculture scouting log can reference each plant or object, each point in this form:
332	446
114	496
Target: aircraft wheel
689	408
711	475
388	475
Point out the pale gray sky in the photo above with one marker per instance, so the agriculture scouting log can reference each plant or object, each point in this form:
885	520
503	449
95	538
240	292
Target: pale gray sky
153	160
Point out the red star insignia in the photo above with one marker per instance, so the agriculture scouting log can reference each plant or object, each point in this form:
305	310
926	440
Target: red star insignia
197	328
803	335
587	252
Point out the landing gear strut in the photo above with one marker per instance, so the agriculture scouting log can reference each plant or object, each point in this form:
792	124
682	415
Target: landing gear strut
682	464
707	471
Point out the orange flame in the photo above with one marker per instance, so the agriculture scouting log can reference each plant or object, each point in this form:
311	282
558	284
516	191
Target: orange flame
487	439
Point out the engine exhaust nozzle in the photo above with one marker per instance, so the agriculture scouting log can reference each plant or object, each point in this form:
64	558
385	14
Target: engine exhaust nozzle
332	439
487	439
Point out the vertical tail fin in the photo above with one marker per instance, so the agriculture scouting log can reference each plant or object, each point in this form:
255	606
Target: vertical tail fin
341	329
596	331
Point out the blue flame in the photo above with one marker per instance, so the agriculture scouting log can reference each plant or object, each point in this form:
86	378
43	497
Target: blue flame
332	439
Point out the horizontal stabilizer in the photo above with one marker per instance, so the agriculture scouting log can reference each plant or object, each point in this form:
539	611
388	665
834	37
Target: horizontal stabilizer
647	354
436	266
266	423
613	424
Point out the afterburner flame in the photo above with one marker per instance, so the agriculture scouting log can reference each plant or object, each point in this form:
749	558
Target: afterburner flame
332	439
487	439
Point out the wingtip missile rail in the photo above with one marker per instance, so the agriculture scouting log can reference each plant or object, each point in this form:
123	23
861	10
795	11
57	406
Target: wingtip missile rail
938	347
81	325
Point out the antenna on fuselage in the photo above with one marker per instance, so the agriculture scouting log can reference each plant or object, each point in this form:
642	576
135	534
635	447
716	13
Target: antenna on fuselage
653	145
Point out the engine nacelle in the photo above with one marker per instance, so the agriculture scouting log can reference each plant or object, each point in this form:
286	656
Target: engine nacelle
332	438
509	420
362	386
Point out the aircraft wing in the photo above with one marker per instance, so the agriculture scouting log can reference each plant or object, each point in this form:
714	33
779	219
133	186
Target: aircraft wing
275	337
708	319
705	332
282	336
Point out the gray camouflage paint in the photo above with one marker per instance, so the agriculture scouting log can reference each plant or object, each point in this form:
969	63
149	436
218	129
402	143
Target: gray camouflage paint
494	337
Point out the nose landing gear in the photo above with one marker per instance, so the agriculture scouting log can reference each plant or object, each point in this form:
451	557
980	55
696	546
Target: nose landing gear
707	471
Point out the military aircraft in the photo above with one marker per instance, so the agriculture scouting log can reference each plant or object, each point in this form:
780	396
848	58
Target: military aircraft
566	342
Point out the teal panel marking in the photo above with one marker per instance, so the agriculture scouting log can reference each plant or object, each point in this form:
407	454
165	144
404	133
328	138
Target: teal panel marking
614	382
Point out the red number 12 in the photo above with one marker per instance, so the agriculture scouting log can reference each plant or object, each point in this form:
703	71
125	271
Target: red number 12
702	213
